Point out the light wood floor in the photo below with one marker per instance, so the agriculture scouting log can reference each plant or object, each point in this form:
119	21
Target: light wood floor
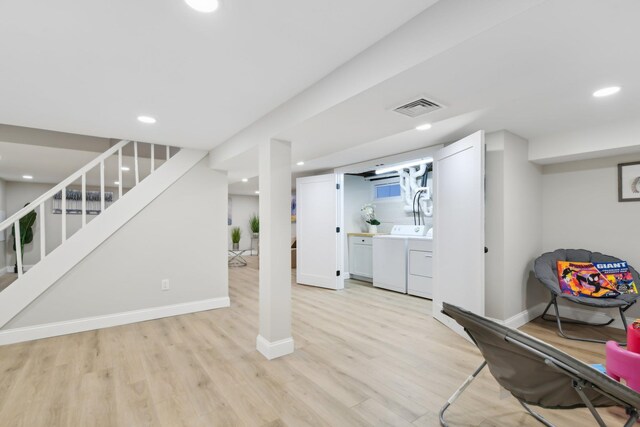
7	279
363	357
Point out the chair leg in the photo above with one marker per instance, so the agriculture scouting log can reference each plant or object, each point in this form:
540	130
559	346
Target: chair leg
634	417
624	319
535	414
578	387
573	322
459	391
554	302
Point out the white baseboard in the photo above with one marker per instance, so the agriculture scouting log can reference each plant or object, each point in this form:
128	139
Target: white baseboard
567	312
29	333
272	350
523	317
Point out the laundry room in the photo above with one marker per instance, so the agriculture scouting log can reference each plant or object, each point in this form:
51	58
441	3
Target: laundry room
388	223
399	223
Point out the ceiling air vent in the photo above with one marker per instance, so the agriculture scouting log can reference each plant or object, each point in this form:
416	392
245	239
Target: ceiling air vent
418	107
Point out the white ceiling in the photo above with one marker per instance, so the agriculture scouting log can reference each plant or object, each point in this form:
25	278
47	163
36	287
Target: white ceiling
49	165
91	67
532	72
533	75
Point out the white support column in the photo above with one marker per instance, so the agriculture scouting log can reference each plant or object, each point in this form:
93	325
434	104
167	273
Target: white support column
275	338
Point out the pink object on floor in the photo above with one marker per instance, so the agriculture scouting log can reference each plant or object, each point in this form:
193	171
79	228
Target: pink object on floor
623	364
633	338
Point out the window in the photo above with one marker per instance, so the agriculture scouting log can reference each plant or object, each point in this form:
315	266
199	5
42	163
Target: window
387	191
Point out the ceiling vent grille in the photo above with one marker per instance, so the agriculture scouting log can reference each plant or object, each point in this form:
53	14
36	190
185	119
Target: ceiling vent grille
418	107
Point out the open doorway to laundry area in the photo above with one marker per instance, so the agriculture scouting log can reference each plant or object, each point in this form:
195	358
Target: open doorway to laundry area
378	222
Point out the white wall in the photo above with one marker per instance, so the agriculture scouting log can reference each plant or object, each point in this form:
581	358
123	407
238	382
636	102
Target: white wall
48	138
522	227
242	208
180	236
513	230
19	193
3	212
581	210
358	192
494	225
596	142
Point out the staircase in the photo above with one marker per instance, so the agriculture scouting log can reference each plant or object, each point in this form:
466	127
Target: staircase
163	166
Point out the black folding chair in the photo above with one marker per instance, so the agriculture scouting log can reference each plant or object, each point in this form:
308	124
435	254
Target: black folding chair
536	373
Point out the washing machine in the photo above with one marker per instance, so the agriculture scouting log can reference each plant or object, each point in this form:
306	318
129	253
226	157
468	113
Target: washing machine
390	256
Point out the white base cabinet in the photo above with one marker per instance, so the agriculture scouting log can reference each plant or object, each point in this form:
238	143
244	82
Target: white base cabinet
361	258
420	267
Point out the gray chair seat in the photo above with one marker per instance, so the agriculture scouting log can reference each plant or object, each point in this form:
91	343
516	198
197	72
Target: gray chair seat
546	270
620	301
535	373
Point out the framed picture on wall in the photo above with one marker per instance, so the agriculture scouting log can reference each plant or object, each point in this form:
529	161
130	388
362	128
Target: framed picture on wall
629	182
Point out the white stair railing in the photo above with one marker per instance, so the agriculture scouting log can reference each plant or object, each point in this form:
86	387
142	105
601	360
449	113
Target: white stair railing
39	204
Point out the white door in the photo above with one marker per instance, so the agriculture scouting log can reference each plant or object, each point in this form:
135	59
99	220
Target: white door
458	232
318	234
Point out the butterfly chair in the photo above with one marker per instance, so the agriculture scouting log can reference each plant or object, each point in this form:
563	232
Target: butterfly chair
536	373
546	270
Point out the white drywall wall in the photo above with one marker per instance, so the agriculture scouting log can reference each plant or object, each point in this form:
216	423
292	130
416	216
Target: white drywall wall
19	193
596	142
180	236
522	227
357	192
581	210
3	234
494	225
513	230
242	208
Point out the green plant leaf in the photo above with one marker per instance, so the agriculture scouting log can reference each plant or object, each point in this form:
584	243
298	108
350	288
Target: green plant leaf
26	230
236	234
254	223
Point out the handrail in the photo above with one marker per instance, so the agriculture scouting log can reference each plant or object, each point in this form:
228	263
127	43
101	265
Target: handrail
68	181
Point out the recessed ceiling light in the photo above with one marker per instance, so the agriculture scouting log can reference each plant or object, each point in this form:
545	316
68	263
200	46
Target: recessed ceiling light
27	176
204	6
606	91
425	126
146	119
116	182
125	168
257	192
300	163
245	180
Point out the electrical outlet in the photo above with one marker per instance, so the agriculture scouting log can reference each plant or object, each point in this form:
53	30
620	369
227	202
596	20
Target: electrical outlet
165	285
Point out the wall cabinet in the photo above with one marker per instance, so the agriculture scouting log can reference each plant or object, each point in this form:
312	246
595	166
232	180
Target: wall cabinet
361	257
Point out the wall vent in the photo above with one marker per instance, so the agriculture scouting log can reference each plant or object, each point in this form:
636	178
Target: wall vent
418	107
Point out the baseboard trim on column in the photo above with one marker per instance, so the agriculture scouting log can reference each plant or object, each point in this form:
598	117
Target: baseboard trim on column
272	350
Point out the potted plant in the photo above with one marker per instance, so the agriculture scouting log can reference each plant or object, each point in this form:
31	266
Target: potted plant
254	225
26	234
368	213
236	234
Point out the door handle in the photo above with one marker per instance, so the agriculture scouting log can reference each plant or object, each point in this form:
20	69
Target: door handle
486	249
